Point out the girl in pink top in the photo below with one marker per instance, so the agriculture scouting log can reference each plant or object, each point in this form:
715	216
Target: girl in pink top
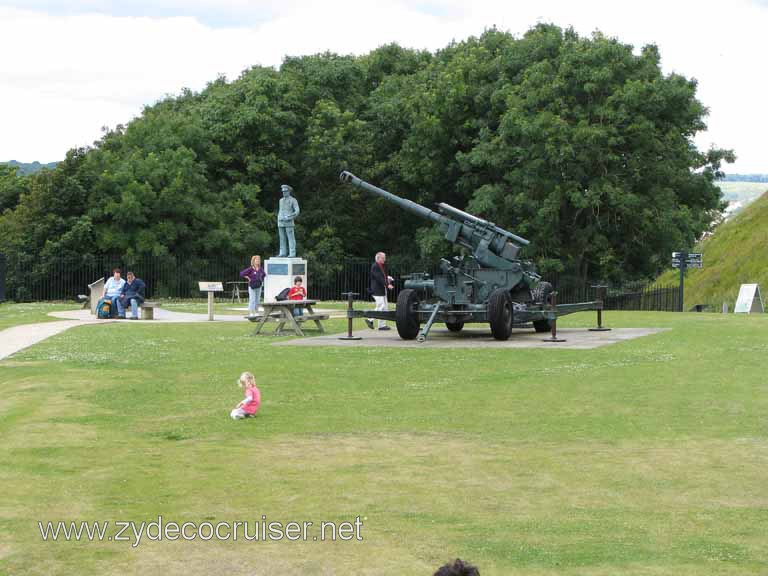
252	400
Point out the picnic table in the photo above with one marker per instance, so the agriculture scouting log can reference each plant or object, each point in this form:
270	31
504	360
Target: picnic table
281	311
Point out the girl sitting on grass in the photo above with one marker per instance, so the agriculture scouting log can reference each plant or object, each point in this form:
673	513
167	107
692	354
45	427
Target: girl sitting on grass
250	404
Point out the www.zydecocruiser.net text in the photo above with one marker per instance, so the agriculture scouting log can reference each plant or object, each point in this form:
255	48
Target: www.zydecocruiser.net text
263	530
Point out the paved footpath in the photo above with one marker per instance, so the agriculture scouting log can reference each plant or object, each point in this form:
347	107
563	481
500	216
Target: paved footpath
19	337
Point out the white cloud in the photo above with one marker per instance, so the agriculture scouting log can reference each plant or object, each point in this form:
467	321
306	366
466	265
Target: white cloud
66	76
69	76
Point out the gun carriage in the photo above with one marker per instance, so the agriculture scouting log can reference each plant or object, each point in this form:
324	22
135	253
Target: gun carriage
491	284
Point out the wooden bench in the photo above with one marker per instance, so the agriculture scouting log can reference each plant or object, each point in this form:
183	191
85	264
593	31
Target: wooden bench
308	317
148	309
260	317
277	317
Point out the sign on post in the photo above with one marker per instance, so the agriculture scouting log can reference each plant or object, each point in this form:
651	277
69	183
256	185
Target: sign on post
683	261
749	300
211	288
688	260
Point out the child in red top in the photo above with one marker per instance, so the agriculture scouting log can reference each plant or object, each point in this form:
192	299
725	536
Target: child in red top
252	400
298	292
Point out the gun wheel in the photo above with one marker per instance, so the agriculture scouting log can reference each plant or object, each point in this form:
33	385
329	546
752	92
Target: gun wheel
500	314
406	317
542	326
542	292
454	326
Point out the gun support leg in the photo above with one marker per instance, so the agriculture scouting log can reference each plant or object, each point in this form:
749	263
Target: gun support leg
425	331
553	322
600	300
350	316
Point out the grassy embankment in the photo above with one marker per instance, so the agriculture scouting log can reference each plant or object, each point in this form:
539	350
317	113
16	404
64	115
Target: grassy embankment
737	253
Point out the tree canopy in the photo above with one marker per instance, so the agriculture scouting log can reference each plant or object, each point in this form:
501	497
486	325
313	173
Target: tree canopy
578	143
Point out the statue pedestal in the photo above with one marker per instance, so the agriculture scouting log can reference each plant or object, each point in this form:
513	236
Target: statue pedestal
280	274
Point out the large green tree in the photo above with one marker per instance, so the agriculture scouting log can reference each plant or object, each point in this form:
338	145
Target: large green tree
12	186
581	144
593	157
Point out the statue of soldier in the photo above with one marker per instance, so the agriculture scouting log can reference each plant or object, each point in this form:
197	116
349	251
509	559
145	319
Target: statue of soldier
288	210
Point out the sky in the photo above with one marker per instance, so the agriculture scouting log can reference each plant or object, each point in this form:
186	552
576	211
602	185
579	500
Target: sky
71	67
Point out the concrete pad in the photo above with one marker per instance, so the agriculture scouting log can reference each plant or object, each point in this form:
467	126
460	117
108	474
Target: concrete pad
575	339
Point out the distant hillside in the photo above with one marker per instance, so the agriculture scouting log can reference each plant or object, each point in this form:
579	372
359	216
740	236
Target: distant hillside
30	167
737	253
746	178
740	194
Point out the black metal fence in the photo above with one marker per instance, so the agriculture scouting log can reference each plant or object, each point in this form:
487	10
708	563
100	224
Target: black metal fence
178	276
165	276
2	277
623	297
656	298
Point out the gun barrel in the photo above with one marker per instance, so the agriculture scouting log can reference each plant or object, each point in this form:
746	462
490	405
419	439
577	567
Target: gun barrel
404	203
447	208
491	246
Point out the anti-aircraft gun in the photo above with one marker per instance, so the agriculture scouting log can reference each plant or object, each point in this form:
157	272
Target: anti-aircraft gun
490	285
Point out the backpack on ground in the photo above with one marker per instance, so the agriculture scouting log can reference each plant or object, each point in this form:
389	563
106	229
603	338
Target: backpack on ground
104	309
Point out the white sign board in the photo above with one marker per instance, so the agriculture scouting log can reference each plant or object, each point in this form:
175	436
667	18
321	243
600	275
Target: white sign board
749	300
211	286
688	255
687	260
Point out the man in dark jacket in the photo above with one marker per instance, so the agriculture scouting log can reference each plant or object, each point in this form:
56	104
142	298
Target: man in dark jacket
133	293
379	284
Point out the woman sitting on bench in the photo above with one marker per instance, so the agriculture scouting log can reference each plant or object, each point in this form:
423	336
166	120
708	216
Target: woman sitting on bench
113	287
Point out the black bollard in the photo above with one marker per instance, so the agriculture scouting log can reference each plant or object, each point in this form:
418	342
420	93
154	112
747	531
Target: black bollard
600	299
350	296
553	303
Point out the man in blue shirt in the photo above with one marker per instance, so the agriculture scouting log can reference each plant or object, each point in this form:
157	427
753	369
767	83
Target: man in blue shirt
133	293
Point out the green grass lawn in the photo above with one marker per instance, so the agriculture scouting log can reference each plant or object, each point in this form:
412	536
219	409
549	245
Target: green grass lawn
645	457
13	314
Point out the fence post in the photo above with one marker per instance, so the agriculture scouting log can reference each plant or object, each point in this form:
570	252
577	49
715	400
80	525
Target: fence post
2	277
